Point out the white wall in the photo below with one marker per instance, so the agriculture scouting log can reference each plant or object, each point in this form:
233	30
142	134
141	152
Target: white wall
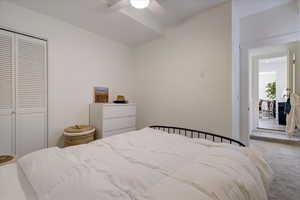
278	21
78	61
184	78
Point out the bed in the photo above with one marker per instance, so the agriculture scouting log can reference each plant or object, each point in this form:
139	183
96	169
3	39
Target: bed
141	165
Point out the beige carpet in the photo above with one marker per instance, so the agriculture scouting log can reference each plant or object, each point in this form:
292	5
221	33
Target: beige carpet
285	162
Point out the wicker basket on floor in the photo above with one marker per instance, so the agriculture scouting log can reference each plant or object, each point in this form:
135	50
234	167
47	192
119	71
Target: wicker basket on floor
7	159
78	134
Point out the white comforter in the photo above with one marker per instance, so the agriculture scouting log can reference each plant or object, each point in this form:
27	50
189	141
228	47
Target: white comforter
147	165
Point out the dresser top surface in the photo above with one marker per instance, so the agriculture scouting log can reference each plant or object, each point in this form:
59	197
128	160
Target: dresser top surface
115	104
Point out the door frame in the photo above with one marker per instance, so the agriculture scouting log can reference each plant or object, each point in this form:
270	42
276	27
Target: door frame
254	82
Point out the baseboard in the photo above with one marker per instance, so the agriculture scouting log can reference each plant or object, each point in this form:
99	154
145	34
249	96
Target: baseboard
291	141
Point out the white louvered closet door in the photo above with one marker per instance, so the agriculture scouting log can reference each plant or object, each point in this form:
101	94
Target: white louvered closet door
31	95
6	93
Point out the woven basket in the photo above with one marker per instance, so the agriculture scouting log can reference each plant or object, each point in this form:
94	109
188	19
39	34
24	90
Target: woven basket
76	135
78	129
6	159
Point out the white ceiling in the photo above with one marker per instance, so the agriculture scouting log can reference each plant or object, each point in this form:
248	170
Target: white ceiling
132	26
251	7
144	26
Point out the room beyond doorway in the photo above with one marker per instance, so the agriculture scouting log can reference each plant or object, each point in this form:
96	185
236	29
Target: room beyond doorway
272	84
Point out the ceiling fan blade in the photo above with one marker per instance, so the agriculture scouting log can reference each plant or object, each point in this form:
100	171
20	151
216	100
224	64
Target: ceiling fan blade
118	4
144	18
113	5
156	8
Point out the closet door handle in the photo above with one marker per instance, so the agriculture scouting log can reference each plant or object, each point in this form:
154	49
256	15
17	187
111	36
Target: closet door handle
13	112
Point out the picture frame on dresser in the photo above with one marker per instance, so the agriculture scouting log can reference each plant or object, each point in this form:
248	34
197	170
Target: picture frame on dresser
101	95
112	119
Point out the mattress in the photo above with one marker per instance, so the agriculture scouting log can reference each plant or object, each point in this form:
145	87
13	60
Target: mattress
141	165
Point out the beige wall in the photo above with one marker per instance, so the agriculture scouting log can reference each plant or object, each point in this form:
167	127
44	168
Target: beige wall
184	78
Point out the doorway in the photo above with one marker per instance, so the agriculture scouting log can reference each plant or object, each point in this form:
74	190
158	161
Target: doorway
272	79
291	44
269	81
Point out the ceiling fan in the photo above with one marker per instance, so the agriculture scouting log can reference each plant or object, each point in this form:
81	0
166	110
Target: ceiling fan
152	5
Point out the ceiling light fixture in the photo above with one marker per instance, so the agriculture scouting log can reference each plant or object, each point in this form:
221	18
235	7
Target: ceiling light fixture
140	4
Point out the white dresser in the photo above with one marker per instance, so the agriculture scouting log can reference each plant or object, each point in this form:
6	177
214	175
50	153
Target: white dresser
112	119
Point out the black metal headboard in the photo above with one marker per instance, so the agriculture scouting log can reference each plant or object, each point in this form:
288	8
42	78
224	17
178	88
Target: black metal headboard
198	134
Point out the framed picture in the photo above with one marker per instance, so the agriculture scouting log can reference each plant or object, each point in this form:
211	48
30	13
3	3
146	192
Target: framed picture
101	94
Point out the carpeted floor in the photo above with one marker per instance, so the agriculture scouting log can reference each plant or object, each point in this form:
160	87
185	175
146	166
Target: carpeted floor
285	162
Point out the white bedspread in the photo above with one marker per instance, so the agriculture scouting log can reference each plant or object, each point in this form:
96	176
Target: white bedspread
148	165
14	185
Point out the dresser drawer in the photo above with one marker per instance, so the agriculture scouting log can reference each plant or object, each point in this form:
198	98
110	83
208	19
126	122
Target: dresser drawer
111	119
118	111
116	132
118	123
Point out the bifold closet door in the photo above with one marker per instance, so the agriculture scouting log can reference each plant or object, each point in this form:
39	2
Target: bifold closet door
6	93
31	94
